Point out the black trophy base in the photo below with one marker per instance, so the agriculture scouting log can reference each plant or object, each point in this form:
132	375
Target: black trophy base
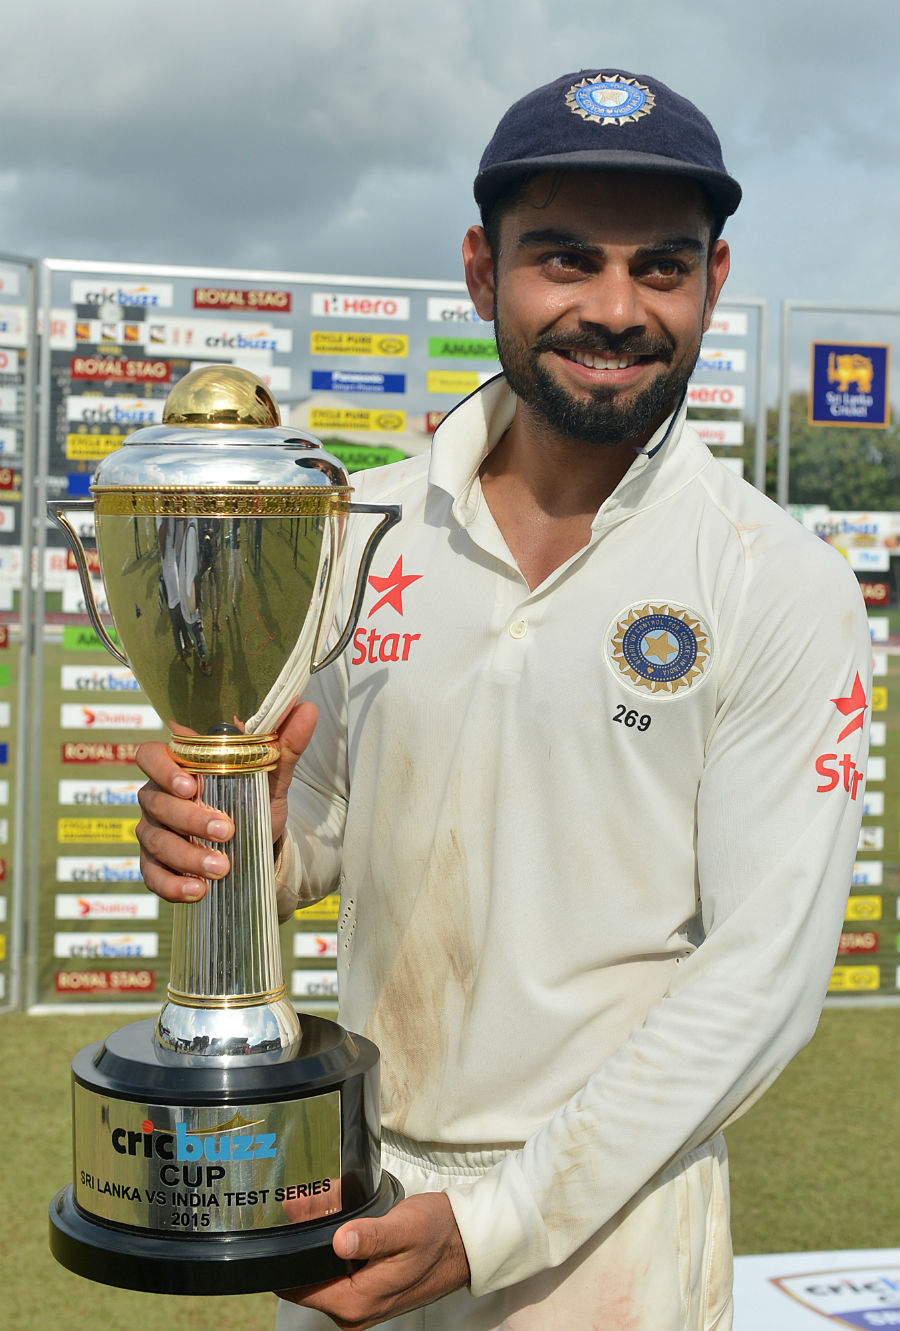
153	1144
232	1264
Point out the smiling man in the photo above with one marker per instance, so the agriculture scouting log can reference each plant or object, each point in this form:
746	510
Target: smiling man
592	882
625	314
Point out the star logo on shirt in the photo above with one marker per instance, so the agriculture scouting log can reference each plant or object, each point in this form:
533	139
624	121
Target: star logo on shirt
856	702
393	586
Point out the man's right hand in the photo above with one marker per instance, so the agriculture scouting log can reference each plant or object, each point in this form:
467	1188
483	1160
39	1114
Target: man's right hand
172	865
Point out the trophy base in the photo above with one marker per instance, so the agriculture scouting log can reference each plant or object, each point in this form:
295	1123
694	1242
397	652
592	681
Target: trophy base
179	1190
244	1264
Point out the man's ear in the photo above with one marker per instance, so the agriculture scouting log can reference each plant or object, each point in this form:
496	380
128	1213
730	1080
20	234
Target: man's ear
716	272
479	268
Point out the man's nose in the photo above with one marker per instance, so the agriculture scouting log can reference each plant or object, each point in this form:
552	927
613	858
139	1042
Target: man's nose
612	298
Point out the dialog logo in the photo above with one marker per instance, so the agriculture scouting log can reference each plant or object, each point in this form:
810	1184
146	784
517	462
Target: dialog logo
75	717
315	945
110	906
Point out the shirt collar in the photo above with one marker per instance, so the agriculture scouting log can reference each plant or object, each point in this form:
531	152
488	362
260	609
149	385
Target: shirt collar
469	432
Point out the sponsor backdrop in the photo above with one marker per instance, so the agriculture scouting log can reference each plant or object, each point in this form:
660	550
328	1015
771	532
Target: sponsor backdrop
370	367
869	954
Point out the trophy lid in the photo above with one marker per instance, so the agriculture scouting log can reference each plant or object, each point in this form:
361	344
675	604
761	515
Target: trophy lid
221	397
221	428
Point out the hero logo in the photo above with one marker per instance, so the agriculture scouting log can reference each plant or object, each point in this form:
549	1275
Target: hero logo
841	769
372	646
213	1145
354	305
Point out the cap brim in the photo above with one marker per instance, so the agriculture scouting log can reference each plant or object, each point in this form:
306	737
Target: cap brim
723	189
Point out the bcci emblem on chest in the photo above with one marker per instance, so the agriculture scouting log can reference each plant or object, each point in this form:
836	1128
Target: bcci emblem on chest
659	647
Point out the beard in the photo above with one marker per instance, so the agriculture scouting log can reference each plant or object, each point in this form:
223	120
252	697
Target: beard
601	417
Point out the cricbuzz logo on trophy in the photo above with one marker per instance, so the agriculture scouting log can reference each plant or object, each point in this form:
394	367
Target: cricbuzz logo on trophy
219	1147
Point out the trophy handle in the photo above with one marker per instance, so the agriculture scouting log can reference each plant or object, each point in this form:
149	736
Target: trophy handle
57	509
390	518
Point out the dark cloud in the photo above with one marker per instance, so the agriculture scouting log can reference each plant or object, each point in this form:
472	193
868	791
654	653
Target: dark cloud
342	136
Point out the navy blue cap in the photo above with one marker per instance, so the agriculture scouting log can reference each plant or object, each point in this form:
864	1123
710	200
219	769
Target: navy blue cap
605	120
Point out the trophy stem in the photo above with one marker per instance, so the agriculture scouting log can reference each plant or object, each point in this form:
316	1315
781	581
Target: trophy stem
226	994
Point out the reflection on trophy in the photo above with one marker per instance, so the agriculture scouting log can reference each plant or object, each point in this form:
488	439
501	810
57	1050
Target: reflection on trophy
218	1149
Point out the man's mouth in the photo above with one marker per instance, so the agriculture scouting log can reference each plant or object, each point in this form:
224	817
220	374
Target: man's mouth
595	362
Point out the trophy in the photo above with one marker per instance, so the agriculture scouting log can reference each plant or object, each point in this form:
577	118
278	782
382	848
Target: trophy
219	1147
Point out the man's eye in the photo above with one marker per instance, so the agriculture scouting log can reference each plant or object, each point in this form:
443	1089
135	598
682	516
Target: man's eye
664	268
565	262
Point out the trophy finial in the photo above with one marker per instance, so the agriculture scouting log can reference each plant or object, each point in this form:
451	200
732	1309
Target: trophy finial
221	397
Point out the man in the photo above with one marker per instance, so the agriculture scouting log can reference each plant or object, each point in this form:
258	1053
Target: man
592	884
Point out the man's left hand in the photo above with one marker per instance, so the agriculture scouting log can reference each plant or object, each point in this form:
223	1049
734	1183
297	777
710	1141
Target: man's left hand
413	1255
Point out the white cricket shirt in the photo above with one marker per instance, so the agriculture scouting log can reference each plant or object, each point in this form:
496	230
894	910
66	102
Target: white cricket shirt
594	840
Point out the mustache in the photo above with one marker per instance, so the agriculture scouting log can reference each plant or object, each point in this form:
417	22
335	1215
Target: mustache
629	344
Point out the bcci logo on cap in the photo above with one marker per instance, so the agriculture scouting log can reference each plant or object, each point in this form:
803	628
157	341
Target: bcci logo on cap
610	99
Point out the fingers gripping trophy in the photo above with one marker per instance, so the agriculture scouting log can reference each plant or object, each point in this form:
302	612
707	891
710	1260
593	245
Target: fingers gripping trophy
217	1149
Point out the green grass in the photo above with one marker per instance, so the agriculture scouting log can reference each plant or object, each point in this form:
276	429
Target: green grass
814	1165
36	1160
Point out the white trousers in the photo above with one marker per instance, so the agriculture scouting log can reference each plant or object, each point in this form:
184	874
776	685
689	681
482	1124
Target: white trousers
664	1263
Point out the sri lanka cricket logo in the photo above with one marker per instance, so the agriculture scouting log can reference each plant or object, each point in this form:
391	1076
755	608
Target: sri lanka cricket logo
659	648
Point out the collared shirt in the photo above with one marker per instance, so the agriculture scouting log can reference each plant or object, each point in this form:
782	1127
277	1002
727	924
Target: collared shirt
593	863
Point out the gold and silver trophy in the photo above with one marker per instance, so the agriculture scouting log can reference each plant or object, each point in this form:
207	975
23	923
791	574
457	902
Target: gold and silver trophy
219	1147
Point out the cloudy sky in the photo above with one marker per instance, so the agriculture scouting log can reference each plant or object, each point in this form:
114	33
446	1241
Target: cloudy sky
341	136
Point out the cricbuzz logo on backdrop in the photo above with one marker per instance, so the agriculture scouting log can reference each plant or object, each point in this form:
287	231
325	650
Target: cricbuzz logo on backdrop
147	295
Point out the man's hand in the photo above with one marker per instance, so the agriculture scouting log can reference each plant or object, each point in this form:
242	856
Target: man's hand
413	1255
172	865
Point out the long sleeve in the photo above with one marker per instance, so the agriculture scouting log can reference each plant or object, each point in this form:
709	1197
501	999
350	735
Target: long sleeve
779	808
